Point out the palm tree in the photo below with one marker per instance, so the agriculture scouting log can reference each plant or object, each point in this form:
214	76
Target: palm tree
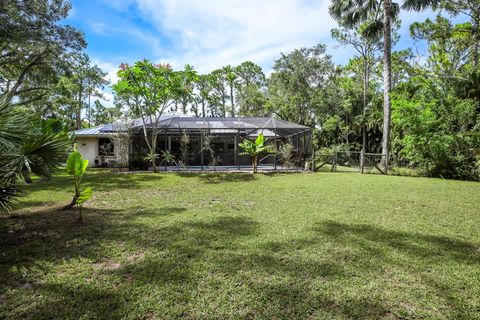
231	78
379	15
254	149
25	151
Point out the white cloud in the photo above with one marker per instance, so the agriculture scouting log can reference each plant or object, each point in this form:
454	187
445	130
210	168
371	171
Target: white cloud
213	33
209	34
111	76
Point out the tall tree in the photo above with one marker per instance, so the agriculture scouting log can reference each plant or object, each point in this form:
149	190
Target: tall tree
219	94
147	90
102	114
203	88
186	81
250	88
470	9
366	47
34	48
379	14
297	80
83	81
250	73
230	77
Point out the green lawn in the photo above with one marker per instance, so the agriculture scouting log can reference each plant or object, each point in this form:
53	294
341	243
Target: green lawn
229	246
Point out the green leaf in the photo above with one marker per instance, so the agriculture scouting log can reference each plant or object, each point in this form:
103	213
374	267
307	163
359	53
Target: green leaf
76	165
259	141
73	159
84	196
85	165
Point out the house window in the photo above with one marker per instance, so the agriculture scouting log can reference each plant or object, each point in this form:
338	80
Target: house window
105	147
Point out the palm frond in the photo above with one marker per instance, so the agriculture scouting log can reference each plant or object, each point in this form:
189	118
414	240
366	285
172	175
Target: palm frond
373	29
339	9
11	165
418	5
395	11
44	152
9	193
13	127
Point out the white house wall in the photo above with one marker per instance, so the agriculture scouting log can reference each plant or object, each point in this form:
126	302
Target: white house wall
88	148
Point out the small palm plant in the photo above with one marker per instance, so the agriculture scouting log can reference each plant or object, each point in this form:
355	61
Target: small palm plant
168	158
152	157
254	149
76	166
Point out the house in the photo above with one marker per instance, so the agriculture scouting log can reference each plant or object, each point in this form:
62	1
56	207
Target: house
218	136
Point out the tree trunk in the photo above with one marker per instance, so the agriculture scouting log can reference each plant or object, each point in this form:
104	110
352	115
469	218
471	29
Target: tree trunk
184	107
154	150
475	45
231	101
78	114
365	102
89	111
224	106
195	109
71	204
387	82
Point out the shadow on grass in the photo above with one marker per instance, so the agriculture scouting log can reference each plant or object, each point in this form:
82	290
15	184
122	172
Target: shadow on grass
162	269
154	255
420	246
98	180
220	177
378	249
33	203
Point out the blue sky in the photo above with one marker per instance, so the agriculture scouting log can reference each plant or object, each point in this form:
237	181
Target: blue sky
208	33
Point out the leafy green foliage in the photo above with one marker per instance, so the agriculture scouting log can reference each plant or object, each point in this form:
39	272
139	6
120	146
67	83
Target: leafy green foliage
84	196
35	48
286	152
76	167
9	194
151	157
168	158
298	86
82	82
434	143
147	90
24	151
255	148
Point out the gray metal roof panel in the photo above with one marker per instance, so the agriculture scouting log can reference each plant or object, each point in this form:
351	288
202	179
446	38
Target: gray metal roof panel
176	122
89	131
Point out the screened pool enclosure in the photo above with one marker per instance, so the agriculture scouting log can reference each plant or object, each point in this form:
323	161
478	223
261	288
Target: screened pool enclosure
213	143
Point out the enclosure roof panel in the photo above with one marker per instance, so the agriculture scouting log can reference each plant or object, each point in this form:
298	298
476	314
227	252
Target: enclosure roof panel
244	125
228	123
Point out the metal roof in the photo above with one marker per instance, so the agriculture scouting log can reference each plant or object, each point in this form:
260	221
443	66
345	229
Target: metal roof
251	126
226	125
89	132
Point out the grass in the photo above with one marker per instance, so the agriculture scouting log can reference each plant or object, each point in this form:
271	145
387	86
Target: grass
229	246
